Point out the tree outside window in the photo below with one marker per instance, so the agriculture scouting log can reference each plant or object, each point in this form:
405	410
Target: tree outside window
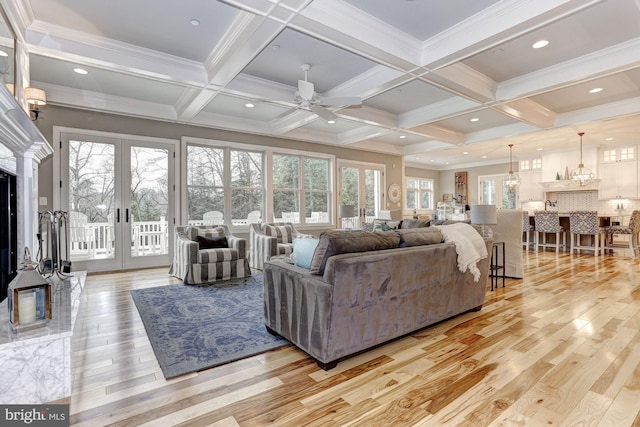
209	180
301	188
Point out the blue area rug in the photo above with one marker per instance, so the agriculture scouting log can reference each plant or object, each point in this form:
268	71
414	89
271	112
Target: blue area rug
194	327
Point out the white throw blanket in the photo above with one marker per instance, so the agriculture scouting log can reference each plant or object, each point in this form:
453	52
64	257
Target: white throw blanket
470	246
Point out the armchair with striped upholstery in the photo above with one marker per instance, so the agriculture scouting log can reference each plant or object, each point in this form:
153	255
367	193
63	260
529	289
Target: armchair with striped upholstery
195	265
269	240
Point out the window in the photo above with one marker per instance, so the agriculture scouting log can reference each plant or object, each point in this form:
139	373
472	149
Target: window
627	153
301	188
536	164
419	194
223	182
524	165
609	156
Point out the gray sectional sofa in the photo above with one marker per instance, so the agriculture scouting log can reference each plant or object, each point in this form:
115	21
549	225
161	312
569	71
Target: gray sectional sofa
367	297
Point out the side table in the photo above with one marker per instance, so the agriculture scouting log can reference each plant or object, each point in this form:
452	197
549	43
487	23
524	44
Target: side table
494	267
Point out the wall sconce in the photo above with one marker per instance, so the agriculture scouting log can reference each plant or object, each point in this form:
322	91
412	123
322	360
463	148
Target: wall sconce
36	98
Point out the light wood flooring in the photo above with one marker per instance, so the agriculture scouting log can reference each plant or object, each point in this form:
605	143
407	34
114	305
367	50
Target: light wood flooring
561	347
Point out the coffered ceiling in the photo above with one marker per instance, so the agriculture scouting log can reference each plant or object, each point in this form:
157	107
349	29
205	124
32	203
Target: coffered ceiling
437	78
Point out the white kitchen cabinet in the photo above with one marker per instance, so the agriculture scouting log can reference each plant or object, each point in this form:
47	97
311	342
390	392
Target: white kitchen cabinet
618	173
530	178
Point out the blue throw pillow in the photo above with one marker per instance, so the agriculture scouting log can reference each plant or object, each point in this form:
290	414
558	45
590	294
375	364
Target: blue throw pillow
303	250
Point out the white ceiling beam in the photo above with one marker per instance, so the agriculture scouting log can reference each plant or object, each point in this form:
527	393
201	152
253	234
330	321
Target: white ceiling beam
346	26
451	107
377	146
369	115
626	107
83	99
242	42
464	80
528	111
85	49
261	89
372	82
426	146
621	57
361	134
192	101
439	133
496	24
294	119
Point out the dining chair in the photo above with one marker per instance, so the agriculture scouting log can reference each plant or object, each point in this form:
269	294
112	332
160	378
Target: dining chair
585	223
548	222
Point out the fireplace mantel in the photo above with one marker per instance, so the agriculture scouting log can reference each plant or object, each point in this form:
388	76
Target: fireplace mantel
29	147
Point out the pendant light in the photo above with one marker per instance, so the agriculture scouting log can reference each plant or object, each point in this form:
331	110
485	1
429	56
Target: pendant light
581	176
511	180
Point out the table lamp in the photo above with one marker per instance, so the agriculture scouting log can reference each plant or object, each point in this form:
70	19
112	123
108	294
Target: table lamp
484	215
347	211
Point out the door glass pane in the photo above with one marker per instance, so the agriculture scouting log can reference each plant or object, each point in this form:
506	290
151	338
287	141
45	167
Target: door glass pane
91	200
149	201
372	193
350	191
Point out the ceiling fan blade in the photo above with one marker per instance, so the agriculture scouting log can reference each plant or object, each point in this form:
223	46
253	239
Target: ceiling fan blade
286	113
323	112
305	89
341	100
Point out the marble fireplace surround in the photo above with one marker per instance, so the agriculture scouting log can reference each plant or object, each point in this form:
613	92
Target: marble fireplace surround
21	137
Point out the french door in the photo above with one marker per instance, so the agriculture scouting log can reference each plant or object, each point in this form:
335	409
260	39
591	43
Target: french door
361	185
119	195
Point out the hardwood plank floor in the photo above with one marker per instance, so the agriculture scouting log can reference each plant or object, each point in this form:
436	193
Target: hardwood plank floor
560	347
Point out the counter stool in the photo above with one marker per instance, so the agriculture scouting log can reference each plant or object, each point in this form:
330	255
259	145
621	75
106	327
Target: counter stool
585	223
632	229
527	228
549	222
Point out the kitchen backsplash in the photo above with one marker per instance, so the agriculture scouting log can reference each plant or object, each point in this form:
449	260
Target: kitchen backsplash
584	200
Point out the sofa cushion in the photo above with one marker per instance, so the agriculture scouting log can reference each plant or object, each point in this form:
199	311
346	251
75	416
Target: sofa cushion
284	233
343	242
193	232
419	236
415	223
303	250
212	242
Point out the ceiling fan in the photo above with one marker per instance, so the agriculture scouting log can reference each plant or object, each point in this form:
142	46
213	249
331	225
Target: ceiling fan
307	99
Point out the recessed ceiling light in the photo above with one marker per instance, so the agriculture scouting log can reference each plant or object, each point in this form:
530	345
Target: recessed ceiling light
3	53
608	139
595	90
417	158
403	136
331	121
195	22
80	71
275	47
249	105
484	157
475	119
539	44
465	152
431	160
539	149
497	51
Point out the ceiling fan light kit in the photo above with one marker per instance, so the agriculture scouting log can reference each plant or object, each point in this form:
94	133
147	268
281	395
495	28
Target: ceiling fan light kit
307	99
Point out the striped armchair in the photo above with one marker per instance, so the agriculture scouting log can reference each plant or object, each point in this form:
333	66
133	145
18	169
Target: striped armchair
269	240
194	265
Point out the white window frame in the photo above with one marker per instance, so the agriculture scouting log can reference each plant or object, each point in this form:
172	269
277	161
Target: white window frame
419	190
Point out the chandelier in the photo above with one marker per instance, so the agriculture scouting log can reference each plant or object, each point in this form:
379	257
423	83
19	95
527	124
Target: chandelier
511	180
581	176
